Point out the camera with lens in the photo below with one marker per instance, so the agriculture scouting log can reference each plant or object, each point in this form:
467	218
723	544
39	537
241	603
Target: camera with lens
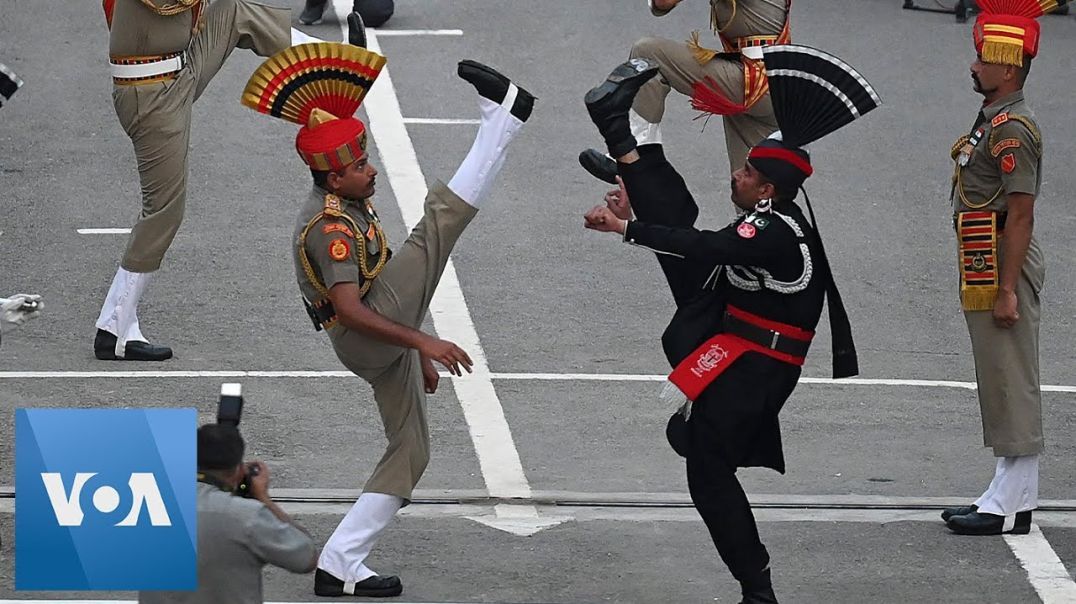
229	411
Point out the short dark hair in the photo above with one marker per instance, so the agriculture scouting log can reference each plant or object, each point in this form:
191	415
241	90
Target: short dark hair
780	193
220	447
1025	69
321	177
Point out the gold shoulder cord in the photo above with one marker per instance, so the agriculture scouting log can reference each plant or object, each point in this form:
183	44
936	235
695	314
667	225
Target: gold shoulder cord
964	199
368	274
1036	136
176	7
714	22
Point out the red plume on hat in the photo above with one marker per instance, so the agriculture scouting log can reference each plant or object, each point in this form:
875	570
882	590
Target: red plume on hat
319	86
1006	30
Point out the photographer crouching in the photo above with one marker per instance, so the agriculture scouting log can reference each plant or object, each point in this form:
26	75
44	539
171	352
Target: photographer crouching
237	536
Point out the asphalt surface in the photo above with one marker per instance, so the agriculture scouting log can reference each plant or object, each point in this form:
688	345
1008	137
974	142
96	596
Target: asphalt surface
546	296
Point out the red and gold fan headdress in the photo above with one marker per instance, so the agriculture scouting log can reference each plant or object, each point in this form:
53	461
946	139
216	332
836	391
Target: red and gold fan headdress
319	86
1006	30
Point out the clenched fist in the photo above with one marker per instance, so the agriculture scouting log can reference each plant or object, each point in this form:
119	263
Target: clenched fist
602	219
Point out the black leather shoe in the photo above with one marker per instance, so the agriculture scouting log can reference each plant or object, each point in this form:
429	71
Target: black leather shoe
376	586
356	30
977	523
374	12
494	86
600	165
312	12
964	510
758	590
104	348
609	102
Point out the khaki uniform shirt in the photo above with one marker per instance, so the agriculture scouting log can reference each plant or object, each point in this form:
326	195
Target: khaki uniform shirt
332	245
1007	158
138	31
740	18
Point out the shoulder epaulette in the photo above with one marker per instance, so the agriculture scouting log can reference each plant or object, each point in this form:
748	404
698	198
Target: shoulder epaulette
333	205
1036	137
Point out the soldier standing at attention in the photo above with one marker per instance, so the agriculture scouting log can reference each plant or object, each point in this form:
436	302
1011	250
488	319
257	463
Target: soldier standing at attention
732	82
163	54
996	181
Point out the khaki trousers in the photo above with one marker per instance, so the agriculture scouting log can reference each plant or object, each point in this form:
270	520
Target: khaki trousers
402	292
1007	367
157	118
679	70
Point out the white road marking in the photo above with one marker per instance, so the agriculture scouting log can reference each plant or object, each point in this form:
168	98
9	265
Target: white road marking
541	377
103	231
381	33
1045	570
437	121
498	459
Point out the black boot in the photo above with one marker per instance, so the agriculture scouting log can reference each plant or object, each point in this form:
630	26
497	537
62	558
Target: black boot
104	348
963	510
758	590
978	523
374	12
312	12
371	587
609	102
599	165
492	85
356	30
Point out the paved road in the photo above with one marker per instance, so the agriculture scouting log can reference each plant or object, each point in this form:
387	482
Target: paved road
546	297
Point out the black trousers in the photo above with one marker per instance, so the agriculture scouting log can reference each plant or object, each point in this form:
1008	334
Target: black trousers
659	195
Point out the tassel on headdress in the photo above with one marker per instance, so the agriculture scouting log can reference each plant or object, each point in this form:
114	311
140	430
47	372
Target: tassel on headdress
1006	30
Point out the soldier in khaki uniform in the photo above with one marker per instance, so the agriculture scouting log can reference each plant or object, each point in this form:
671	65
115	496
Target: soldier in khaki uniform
163	54
735	77
998	172
371	302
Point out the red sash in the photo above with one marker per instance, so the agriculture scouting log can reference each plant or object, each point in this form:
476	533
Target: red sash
700	368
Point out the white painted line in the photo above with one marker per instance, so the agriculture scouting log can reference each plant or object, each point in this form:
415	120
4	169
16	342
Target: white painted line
540	377
436	121
1045	570
135	602
381	33
103	231
495	448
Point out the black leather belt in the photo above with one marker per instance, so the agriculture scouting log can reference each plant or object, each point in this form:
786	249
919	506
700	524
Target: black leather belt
321	313
765	337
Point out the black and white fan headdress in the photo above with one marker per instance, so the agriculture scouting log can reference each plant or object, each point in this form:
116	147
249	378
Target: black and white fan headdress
813	94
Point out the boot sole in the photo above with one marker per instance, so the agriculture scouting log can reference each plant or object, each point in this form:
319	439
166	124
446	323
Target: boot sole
613	82
361	593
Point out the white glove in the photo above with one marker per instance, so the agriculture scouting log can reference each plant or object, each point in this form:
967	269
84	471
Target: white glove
18	309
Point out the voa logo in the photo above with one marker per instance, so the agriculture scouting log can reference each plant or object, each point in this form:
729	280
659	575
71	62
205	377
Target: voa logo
142	486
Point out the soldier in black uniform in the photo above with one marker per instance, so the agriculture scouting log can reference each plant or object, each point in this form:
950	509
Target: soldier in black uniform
748	299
